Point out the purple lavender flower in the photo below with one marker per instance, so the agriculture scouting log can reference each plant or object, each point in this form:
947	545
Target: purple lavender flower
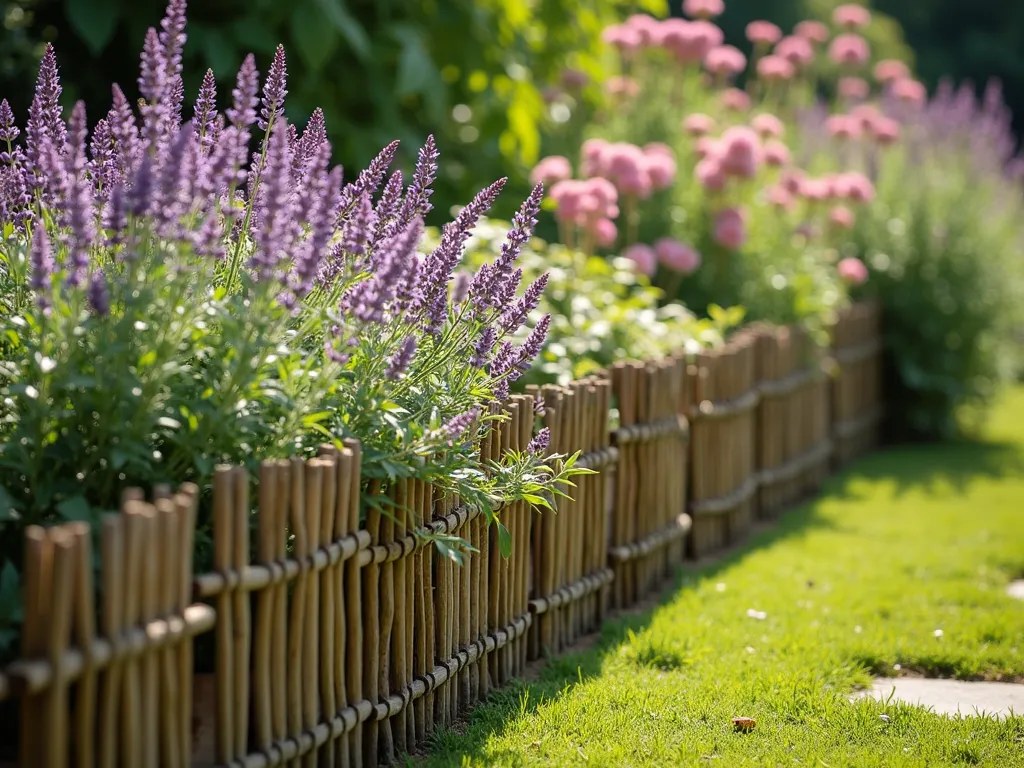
78	205
41	258
514	317
123	128
175	99
369	180
417	198
309	142
171	200
505	294
153	86
208	240
483	347
528	352
310	256
205	112
461	288
308	194
172	40
115	214
489	283
98	296
402	358
8	130
273	239
457	425
394	267
358	231
333	352
242	112
274	90
540	442
388	206
103	167
44	120
441	263
512	362
141	191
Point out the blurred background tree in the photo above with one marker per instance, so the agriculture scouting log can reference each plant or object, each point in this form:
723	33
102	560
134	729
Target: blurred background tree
477	73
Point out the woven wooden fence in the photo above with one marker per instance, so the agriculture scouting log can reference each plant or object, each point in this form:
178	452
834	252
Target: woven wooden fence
345	639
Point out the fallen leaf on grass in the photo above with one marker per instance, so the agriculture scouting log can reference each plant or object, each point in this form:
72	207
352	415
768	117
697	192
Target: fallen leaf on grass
744	723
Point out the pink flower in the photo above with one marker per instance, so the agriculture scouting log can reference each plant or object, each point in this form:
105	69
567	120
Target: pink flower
909	92
592	152
661	167
796	50
865	115
629	169
567	196
851	16
741	152
854	186
703	9
768	126
707	147
842	217
763	33
707	35
812	31
605	193
698	125
885	130
854	88
676	255
815	190
725	61
890	70
852	271
776	154
792	180
658	148
605	233
735	100
643	258
689	41
775	69
710	175
730	229
843	127
573	79
620	85
647	27
551	170
780	197
850	50
626	39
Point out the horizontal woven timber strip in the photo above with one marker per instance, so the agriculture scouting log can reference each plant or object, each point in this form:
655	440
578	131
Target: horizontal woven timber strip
796	465
711	410
643	433
723	504
254	577
575	591
26	677
790	384
599	459
363	711
858	352
675	530
853	426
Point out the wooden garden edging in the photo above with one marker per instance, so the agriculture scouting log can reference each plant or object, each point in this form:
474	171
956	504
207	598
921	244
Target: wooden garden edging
346	641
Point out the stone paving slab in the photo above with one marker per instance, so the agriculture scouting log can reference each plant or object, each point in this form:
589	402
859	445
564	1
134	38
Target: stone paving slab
948	697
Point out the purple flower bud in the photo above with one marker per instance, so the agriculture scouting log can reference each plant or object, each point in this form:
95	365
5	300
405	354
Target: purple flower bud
528	352
402	358
205	112
310	257
417	199
540	442
98	296
333	352
123	128
274	90
208	240
388	206
358	230
41	258
505	293
369	180
488	283
8	130
461	288
242	112
141	190
312	137
514	317
482	348
457	425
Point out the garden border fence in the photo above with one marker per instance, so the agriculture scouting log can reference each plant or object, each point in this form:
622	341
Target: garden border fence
359	641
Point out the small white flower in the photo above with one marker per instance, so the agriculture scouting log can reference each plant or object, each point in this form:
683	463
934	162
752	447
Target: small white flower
759	615
720	586
857	630
938	633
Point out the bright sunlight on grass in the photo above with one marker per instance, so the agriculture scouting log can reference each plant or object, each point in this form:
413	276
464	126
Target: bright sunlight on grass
900	567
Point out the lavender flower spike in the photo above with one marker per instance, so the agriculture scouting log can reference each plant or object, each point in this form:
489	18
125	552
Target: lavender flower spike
483	347
99	298
242	112
44	115
205	112
41	258
402	358
277	198
489	283
417	199
388	206
172	38
153	86
121	120
369	180
78	206
274	90
458	425
514	317
540	442
8	130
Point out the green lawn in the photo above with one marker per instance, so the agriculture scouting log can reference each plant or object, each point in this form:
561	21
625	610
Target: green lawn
908	542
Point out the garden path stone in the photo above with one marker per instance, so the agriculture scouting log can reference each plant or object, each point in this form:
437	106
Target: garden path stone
948	697
1016	589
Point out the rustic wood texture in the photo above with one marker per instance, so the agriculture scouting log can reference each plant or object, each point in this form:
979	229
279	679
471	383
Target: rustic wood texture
856	396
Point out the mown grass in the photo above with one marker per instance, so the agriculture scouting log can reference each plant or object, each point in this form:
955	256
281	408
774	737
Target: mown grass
908	542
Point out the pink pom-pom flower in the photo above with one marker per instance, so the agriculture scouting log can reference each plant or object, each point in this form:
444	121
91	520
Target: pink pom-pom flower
775	69
625	39
891	70
763	33
698	124
703	9
768	126
851	16
741	152
710	174
852	271
842	217
735	100
730	230
725	61
910	92
643	257
780	197
812	31
854	88
850	50
843	127
677	256
796	50
776	154
551	170
605	233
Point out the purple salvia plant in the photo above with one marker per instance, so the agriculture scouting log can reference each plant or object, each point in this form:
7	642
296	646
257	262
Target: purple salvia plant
41	259
171	195
205	112
394	260
78	205
513	318
141	191
417	198
387	208
172	37
400	361
273	238
115	213
357	233
489	283
511	363
307	194
125	132
48	90
8	132
97	294
310	256
44	122
153	87
369	179
103	167
483	347
274	90
440	264
312	137
540	442
242	112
